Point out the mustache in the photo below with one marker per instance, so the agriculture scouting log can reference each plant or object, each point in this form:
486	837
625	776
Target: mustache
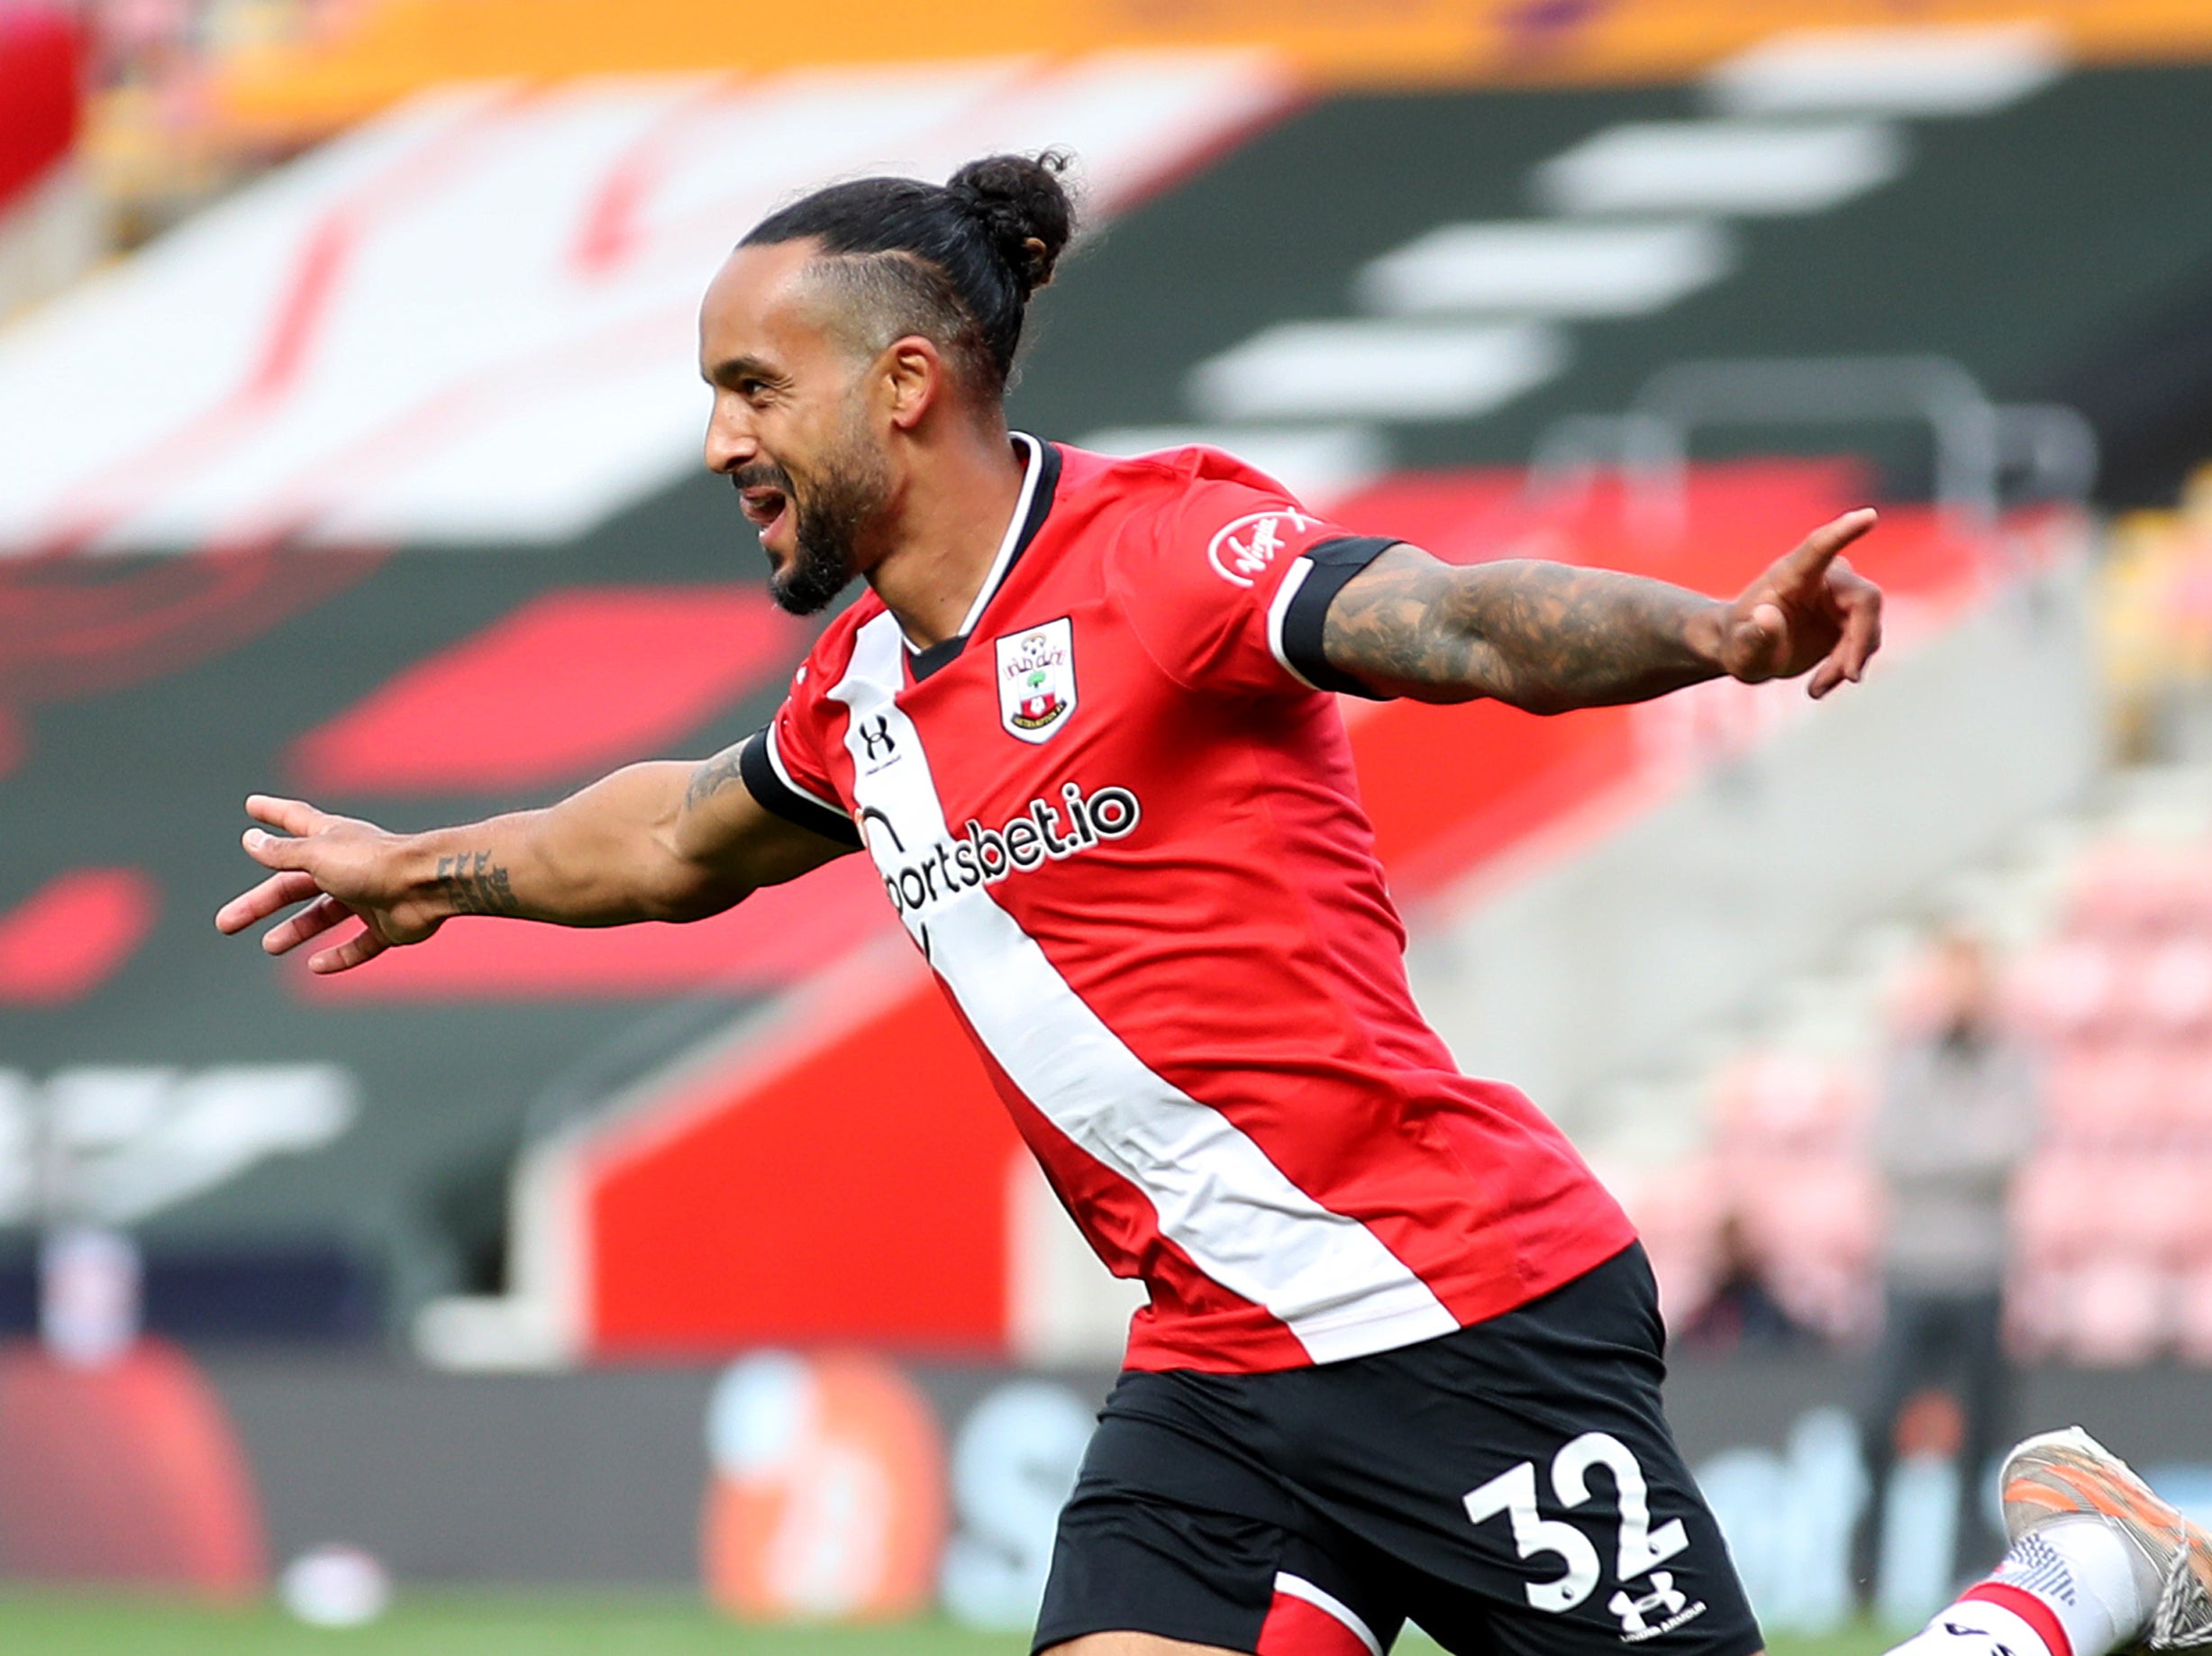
761	474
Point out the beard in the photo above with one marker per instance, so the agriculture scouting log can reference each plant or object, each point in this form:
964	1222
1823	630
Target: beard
848	492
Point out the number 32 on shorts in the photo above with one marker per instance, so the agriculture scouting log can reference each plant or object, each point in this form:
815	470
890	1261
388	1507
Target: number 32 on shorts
1513	1492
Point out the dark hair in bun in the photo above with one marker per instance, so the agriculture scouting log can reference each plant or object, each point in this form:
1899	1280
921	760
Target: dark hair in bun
955	262
1024	208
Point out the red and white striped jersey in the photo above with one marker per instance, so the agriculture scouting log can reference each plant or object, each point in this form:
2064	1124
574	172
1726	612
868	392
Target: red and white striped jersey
1118	816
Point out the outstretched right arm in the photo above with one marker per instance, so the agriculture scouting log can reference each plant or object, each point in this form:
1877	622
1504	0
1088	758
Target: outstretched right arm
664	841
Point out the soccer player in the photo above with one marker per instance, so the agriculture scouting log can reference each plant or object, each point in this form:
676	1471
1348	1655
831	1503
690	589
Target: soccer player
1402	1354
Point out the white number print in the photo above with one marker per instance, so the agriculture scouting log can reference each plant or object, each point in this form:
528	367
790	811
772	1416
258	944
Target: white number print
1514	1493
1642	1546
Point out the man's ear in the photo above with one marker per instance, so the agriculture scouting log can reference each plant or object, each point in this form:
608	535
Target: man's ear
914	379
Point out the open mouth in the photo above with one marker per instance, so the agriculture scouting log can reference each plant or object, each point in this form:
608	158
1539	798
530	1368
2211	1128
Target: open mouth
764	507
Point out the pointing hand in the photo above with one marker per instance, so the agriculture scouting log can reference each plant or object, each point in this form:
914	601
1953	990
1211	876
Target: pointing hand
1811	611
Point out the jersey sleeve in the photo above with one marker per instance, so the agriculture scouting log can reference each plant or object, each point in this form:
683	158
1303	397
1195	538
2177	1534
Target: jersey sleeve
781	770
1228	588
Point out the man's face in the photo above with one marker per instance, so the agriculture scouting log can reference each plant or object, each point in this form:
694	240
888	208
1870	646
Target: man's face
791	426
1964	988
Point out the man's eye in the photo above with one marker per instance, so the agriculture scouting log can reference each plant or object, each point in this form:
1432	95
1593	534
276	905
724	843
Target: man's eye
750	388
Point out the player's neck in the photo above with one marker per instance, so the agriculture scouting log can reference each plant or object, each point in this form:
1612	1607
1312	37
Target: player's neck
952	516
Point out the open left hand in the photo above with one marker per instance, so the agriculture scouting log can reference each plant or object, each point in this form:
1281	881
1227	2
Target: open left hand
1810	612
342	870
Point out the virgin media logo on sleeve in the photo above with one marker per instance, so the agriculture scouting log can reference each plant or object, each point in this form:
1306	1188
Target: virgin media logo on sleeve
1242	552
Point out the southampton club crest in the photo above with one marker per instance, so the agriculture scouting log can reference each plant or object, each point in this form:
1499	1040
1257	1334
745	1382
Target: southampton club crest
1036	679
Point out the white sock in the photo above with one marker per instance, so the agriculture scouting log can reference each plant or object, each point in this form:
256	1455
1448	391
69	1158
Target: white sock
1973	1628
2075	1587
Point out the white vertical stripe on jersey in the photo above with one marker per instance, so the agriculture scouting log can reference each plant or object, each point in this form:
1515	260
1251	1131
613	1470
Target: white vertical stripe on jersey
1214	1192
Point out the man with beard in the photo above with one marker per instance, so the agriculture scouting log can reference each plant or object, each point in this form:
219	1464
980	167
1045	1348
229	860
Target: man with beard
1402	1356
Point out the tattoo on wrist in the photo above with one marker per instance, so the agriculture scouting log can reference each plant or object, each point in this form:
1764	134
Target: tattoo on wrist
473	884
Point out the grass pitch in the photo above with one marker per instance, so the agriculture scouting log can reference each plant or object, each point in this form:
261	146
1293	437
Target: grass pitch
58	1625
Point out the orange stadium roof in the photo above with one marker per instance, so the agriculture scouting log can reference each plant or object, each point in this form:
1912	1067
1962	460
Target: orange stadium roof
385	49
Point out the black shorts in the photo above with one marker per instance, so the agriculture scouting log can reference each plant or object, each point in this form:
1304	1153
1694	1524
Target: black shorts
1512	1489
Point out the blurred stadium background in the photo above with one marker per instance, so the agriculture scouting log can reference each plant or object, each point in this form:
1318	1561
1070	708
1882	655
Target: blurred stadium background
684	1288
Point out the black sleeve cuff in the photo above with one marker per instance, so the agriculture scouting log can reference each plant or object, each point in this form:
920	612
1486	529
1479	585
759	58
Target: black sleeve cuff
1298	641
780	798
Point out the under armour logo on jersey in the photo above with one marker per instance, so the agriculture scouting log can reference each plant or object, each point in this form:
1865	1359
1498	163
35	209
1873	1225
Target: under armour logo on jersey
876	739
1659	1611
1663	1601
1242	552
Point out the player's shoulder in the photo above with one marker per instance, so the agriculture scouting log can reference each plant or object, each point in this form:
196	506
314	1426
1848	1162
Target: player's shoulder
1188	515
1166	480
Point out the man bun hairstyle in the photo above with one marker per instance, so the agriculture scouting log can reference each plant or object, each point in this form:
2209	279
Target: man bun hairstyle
955	262
1024	208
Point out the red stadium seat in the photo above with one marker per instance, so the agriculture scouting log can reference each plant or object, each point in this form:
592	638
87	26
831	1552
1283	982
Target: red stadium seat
1679	1210
2107	1248
2118	1312
2128	888
2189	1088
2113	1093
2192	1314
1817	1222
2054	1222
2173	987
2034	1311
2067	989
42	66
2161	1209
2190	883
1771	1102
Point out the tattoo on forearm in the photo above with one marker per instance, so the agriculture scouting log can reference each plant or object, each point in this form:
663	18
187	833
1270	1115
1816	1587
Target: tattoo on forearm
476	885
712	776
1543	636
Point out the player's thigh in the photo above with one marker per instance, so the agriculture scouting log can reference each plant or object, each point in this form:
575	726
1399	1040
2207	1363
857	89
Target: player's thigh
1172	1543
1133	1644
1521	1477
1594	1541
1134	1576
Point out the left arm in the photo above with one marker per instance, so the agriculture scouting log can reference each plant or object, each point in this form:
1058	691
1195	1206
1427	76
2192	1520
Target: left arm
1549	637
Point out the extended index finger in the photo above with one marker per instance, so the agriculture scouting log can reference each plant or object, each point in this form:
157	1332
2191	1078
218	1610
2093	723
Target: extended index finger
295	816
1812	555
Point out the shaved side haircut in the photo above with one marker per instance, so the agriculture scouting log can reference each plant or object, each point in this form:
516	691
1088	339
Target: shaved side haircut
954	263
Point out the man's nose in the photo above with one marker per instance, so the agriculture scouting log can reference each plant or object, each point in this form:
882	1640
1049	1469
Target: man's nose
730	443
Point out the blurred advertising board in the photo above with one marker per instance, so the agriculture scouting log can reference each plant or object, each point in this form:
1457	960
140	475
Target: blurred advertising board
854	1485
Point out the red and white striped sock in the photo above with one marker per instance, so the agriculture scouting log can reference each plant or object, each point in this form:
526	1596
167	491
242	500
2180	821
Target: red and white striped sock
2075	1587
